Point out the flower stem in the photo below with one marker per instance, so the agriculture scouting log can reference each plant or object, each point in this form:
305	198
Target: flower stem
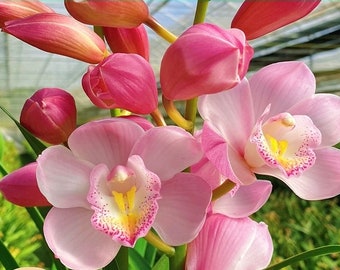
176	116
158	118
154	240
201	11
178	261
223	189
160	30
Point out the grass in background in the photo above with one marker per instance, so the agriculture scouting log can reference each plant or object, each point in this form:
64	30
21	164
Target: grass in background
295	225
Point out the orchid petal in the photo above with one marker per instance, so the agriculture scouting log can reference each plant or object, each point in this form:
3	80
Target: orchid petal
71	237
167	150
246	200
236	105
182	208
107	141
324	110
62	178
230	244
282	85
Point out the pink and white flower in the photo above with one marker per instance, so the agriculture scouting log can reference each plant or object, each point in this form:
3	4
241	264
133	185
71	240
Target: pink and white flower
114	183
276	126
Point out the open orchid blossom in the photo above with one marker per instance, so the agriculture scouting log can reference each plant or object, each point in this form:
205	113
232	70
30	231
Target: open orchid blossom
257	18
277	126
17	9
230	244
109	13
205	59
122	80
55	108
113	184
59	34
128	40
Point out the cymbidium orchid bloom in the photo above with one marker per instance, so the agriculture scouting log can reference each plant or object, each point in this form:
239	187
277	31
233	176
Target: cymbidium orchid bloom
128	40
50	114
16	9
257	18
230	244
277	126
114	183
205	59
59	34
20	187
124	81
110	13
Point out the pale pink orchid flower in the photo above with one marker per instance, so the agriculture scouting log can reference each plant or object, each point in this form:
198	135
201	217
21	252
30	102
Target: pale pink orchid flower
205	59
226	243
16	9
274	124
59	34
113	184
257	18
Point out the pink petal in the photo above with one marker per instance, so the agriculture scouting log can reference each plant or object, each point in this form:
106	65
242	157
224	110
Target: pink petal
125	203
21	188
236	105
182	208
246	200
70	235
282	85
107	141
230	244
324	110
167	150
63	178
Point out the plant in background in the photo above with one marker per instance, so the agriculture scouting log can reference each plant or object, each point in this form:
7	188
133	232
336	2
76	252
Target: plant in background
134	190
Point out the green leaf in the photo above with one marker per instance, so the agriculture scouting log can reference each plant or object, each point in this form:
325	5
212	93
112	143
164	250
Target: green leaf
325	250
136	261
2	145
36	145
162	263
6	257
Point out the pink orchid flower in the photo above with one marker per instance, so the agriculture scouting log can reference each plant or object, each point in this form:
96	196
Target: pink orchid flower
226	243
276	125
16	9
128	40
110	13
50	114
113	184
257	18
20	187
205	59
124	81
59	34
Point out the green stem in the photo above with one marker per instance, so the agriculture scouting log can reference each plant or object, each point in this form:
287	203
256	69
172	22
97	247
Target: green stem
191	111
177	262
223	189
154	240
201	11
160	30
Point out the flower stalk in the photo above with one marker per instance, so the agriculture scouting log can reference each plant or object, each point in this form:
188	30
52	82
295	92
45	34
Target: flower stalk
223	189
154	240
160	30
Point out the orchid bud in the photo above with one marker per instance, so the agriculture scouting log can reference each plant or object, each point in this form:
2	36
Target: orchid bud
16	9
205	59
59	34
50	114
21	188
110	13
257	18
124	81
128	40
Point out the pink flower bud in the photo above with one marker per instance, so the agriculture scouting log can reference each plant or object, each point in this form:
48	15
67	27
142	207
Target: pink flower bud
128	40
205	59
110	13
257	18
16	9
21	188
124	81
50	114
60	34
